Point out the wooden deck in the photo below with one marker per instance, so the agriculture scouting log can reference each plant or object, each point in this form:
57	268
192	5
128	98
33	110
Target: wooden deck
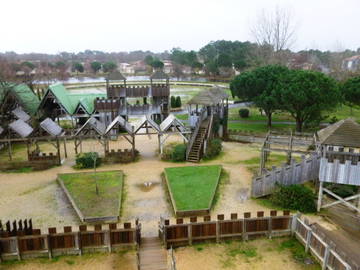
152	254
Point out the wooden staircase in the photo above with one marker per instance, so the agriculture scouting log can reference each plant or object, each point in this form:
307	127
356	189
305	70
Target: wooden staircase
152	255
195	152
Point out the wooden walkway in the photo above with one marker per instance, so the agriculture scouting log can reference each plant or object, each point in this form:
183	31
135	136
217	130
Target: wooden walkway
153	256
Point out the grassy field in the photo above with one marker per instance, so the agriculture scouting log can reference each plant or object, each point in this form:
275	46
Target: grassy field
259	127
82	188
193	187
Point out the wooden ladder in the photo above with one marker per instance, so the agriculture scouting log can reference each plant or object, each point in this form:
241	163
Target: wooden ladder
153	256
195	152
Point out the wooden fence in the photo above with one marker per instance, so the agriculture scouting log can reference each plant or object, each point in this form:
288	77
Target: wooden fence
327	256
107	237
296	173
181	234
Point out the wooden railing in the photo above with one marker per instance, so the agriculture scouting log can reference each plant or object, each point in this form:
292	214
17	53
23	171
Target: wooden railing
106	237
202	116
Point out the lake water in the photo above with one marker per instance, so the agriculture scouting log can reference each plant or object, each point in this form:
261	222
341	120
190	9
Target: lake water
129	78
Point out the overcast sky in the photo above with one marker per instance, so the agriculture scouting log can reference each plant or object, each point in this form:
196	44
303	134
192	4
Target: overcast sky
53	26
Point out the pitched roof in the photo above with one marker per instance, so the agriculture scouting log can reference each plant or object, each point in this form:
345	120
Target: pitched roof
344	133
115	76
21	128
20	114
171	121
51	127
146	119
119	120
94	124
70	101
212	96
24	95
159	75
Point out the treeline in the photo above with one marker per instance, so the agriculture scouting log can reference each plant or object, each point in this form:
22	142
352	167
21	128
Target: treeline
306	95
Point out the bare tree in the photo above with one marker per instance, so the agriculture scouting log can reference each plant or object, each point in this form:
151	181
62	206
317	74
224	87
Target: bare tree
275	29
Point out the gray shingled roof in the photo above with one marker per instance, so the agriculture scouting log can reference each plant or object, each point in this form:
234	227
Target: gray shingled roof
93	124
159	75
51	127
115	76
119	120
344	133
209	97
20	114
21	128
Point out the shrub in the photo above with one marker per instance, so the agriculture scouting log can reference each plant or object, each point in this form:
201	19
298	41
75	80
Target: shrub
244	113
333	120
173	102
179	153
213	149
342	190
174	152
178	101
86	160
294	197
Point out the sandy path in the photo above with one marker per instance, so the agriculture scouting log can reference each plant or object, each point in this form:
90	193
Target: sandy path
36	195
218	256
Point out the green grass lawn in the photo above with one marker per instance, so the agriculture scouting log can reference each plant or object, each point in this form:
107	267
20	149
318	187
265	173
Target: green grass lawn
193	187
260	127
82	188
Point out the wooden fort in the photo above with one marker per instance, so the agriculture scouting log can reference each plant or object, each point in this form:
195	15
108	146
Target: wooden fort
152	99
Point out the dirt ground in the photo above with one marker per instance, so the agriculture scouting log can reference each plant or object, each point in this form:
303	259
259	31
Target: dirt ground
36	195
86	262
252	255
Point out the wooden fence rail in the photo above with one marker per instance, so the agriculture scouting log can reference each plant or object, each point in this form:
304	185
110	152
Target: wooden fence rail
181	234
295	173
326	255
106	237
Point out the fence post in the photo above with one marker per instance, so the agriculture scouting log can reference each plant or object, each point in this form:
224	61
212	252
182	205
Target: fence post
270	227
326	257
190	233
17	248
108	239
308	238
48	245
78	242
293	224
217	231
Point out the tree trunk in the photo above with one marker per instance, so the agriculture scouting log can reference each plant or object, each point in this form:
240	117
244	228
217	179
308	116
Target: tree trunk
269	119
299	125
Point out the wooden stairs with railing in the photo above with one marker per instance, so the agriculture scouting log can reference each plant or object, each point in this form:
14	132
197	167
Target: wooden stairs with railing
152	255
195	152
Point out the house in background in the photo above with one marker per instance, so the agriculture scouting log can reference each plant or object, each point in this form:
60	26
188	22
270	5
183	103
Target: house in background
126	68
168	67
351	63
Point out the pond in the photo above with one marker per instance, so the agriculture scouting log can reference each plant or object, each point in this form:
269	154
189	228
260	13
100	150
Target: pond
128	78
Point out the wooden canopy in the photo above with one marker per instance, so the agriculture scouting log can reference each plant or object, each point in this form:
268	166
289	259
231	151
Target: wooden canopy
344	133
115	76
210	97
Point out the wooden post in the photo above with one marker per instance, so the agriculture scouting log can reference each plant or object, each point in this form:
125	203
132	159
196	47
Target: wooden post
65	150
190	233
217	231
308	238
320	196
58	149
108	240
270	227
326	257
17	248
48	246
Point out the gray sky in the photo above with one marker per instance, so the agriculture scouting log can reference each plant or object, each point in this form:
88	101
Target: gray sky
52	26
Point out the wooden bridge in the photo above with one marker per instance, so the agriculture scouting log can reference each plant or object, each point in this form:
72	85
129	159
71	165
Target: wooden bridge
152	255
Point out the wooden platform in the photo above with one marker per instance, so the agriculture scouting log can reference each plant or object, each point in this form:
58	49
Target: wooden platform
152	254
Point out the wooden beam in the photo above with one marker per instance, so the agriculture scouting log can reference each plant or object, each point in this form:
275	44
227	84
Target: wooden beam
341	200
